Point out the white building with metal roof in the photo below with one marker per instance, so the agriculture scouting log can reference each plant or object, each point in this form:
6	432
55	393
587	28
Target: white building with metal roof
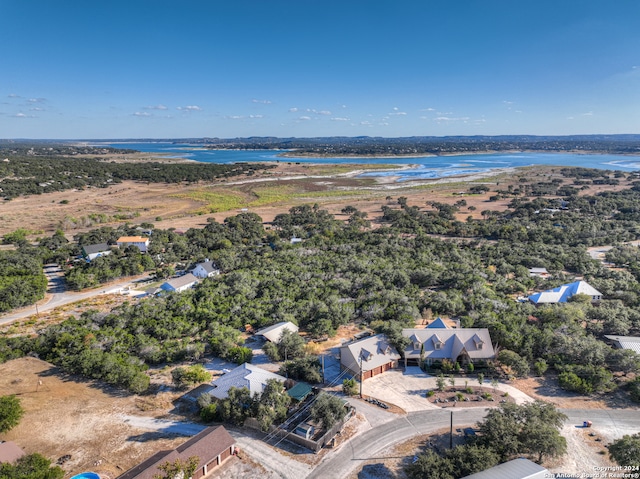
244	376
206	269
626	342
520	468
274	332
180	284
561	294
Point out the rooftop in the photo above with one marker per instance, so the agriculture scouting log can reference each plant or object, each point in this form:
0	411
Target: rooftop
273	332
562	293
245	375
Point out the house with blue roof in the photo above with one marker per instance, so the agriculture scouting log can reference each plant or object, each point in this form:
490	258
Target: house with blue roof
561	294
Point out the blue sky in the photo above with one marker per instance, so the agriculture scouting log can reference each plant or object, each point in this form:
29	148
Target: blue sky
195	68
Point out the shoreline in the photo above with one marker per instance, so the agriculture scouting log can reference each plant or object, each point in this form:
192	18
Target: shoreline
289	154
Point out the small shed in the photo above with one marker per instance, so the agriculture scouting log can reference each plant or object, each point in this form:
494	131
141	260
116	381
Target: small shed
300	391
305	430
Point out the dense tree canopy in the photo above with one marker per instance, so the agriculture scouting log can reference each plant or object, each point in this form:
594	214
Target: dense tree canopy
386	278
626	451
10	412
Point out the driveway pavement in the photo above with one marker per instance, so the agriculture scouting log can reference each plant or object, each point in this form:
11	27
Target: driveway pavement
407	389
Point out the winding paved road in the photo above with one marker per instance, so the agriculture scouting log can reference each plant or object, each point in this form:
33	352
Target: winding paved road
375	442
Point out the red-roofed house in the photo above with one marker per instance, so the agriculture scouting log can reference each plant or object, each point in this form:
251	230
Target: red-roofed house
213	446
10	452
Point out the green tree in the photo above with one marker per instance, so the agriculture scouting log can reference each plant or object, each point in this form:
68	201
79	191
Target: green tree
531	428
500	430
306	369
31	466
240	354
542	439
430	465
350	387
471	458
179	468
191	375
328	410
10	412
237	406
626	451
271	407
291	345
514	361
540	367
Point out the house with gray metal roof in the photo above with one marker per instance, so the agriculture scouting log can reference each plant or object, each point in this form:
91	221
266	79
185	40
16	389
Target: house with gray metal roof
371	356
93	251
626	342
244	376
180	284
462	345
561	294
438	323
274	332
520	468
206	269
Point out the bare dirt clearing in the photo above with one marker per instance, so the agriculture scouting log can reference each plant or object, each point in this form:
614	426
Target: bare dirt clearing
547	389
81	419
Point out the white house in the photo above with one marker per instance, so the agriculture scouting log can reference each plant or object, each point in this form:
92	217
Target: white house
373	354
272	333
93	251
539	272
205	270
140	242
180	284
246	375
561	294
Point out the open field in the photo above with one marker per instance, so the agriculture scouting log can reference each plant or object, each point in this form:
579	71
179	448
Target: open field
268	194
79	418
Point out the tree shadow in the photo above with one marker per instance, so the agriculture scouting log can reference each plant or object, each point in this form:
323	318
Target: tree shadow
549	387
378	471
417	392
63	376
151	436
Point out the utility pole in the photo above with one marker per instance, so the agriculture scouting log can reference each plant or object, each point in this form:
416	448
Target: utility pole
451	432
361	375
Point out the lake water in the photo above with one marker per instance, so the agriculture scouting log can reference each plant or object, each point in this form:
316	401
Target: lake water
424	167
